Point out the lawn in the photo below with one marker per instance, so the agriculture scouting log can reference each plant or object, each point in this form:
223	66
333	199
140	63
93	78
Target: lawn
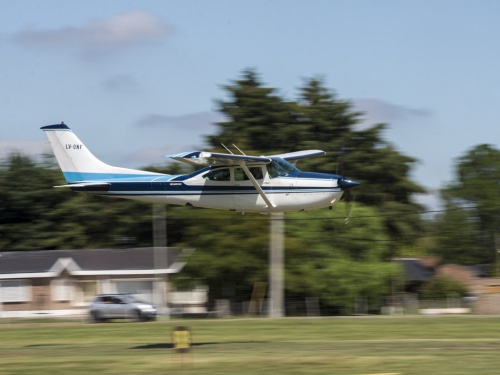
341	345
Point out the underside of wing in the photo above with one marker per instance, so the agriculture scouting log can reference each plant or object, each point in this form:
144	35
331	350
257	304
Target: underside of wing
216	159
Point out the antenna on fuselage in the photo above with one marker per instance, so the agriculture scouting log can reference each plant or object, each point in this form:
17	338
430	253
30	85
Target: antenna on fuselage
228	150
236	147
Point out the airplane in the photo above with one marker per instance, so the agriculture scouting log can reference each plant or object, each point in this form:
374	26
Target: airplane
234	182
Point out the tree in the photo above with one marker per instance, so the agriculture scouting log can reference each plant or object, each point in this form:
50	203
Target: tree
231	250
257	117
336	262
35	216
265	123
466	231
440	287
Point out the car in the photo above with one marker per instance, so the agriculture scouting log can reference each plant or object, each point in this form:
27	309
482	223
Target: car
120	306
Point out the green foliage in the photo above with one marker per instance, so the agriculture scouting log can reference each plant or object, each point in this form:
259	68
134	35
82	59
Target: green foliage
35	216
231	249
257	118
338	262
340	281
441	287
466	231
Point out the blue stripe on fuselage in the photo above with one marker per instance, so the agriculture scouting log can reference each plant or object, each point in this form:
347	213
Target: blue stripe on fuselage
314	175
115	177
171	188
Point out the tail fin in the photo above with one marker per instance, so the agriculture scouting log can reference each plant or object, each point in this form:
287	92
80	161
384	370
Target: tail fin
77	163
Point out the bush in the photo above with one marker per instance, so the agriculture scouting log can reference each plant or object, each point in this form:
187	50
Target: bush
442	287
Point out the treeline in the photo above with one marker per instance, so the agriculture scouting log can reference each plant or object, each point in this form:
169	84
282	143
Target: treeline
336	255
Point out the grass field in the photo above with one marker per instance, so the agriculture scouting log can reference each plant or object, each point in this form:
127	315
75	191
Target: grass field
342	345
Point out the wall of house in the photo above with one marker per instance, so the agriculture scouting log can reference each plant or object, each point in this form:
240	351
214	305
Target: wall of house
486	293
42	295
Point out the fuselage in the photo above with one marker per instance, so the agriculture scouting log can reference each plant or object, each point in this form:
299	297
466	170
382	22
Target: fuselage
228	188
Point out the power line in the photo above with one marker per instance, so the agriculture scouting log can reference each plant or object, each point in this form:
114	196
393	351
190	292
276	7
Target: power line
399	214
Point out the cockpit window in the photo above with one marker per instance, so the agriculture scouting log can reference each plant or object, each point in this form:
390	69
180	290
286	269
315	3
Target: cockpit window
221	174
280	168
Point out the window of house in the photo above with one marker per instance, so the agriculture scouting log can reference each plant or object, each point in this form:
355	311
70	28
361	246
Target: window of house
15	291
61	289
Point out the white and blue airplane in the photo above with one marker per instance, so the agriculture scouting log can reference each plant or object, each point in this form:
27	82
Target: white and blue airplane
227	182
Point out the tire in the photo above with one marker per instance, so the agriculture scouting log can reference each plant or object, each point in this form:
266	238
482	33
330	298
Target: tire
95	316
137	316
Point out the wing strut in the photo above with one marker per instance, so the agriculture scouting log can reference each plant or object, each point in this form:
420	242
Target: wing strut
256	184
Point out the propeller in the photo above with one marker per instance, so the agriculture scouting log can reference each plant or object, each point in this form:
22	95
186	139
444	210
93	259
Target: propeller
346	184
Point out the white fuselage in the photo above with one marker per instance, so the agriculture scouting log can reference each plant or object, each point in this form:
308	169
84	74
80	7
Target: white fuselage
229	182
286	193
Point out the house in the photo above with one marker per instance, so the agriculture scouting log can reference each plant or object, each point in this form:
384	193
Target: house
484	291
416	271
62	282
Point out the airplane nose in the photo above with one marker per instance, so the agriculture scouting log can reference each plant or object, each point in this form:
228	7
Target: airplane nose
346	183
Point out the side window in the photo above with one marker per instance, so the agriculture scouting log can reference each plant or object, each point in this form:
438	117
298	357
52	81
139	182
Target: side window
105	299
116	300
256	172
239	174
222	174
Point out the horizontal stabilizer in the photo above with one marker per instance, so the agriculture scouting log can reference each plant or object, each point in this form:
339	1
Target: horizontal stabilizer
85	184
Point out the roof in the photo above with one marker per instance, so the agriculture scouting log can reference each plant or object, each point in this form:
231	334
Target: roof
414	270
47	263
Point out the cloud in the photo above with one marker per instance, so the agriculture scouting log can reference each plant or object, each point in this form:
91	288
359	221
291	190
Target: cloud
121	82
379	111
193	121
99	37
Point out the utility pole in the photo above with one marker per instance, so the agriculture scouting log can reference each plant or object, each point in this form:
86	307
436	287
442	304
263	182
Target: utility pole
160	253
276	265
497	251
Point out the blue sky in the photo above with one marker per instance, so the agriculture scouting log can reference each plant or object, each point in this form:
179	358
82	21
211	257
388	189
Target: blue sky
138	79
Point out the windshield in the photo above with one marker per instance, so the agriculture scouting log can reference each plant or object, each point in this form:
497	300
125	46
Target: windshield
280	168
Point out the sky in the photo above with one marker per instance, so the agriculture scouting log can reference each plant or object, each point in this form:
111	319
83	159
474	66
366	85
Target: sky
136	80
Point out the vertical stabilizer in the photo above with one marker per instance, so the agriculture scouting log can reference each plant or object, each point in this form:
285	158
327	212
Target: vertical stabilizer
77	163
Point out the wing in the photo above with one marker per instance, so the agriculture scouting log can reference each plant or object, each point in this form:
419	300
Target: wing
216	159
291	156
212	158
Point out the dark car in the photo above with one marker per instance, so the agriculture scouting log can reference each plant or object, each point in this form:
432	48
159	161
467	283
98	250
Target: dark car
116	306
